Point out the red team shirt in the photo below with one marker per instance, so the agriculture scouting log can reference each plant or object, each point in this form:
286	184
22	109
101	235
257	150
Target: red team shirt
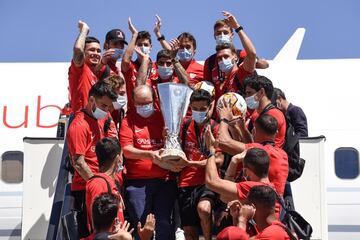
130	79
193	176
273	232
279	116
81	80
97	186
243	189
83	134
144	134
195	72
279	166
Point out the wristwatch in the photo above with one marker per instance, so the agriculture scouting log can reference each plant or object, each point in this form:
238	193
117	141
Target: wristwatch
224	120
237	30
162	37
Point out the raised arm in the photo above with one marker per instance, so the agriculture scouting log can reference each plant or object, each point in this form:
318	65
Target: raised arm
164	44
143	72
79	47
179	69
126	60
250	59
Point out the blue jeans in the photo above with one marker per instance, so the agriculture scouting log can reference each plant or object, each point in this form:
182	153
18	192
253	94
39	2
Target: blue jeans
155	196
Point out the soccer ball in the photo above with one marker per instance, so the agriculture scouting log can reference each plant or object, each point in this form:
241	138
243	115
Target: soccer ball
237	102
207	86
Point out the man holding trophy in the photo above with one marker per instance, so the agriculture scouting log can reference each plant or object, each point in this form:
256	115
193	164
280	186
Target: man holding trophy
148	187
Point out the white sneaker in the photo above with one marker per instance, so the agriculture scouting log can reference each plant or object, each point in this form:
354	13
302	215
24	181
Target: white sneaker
179	234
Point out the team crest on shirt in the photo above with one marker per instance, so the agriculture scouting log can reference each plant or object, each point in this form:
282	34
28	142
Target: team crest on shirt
192	75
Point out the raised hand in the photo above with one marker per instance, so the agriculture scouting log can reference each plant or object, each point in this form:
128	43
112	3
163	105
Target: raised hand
230	20
146	232
83	26
141	53
157	26
131	27
122	232
175	44
225	110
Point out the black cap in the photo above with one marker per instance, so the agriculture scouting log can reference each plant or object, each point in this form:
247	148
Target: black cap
115	35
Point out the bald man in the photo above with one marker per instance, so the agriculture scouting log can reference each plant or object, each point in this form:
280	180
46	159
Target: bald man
148	188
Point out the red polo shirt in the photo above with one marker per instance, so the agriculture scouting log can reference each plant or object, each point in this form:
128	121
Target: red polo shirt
193	176
83	134
81	80
229	83
243	189
279	166
279	116
130	79
145	134
232	233
97	186
273	232
195	72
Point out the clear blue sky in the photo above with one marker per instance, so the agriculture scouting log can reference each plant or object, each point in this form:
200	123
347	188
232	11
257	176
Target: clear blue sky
45	30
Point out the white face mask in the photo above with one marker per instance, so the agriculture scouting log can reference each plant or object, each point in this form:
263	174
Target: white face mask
251	102
199	116
165	72
120	102
226	65
118	53
145	50
98	113
221	39
145	110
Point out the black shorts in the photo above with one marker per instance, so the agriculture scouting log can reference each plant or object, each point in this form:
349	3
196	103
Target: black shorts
189	198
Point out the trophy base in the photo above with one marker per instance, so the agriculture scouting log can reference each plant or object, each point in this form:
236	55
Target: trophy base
172	159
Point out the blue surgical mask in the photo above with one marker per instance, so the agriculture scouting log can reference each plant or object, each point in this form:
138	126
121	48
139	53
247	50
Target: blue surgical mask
145	110
98	113
145	50
120	102
226	65
184	55
118	53
221	39
251	102
165	72
199	116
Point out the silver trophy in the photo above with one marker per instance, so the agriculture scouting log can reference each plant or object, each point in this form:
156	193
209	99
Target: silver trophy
174	102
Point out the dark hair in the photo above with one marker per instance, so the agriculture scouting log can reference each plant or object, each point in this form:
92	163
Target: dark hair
201	95
221	23
257	82
163	54
101	89
226	46
90	39
143	35
257	160
277	92
188	36
264	196
106	150
104	211
267	123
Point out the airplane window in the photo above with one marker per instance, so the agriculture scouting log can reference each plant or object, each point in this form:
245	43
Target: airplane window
346	163
12	166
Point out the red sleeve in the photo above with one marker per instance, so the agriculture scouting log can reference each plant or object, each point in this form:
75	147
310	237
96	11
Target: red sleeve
77	139
112	132
126	134
207	77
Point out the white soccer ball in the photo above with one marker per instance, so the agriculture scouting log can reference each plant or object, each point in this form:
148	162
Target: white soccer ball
236	101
